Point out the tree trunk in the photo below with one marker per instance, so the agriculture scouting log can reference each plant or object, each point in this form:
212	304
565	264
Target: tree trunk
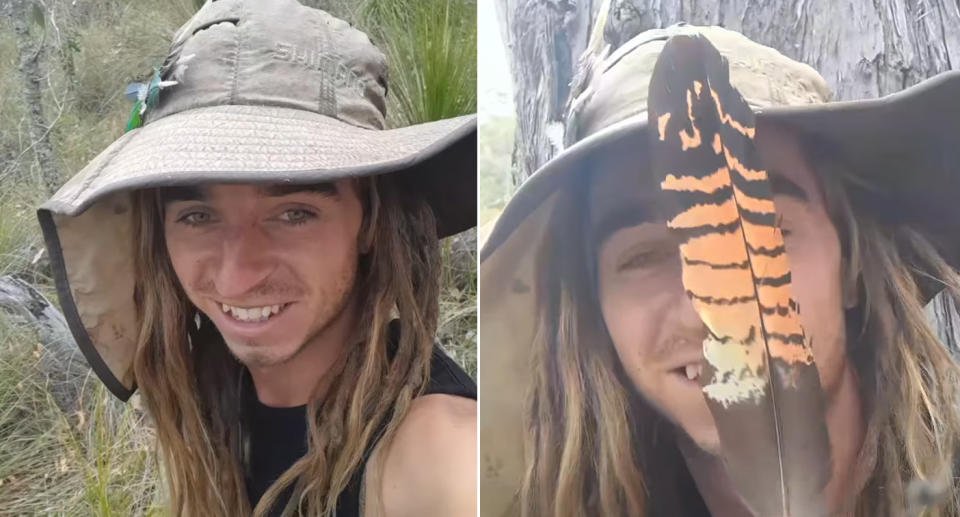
30	51
863	48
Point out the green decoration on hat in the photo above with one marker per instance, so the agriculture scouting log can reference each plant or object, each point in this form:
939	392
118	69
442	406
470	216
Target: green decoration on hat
135	120
147	96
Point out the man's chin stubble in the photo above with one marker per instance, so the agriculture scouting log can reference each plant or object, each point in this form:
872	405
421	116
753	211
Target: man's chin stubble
258	355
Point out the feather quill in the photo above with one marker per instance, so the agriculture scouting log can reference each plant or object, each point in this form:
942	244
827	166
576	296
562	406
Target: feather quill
760	380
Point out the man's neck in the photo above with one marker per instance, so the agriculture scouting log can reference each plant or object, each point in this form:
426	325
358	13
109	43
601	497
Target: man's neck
846	430
293	382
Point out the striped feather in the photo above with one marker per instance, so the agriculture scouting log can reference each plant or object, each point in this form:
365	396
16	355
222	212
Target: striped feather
760	380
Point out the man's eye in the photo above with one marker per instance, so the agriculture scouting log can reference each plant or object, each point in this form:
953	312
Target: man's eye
195	218
783	227
642	259
297	216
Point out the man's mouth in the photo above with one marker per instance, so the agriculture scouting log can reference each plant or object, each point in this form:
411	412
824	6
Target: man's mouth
253	314
691	371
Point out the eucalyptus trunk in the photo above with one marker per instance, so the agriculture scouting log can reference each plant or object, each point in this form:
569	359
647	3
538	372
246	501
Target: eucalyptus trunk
30	52
863	48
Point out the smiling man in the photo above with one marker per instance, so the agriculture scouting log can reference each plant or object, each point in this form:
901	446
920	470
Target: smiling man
260	258
274	269
657	334
581	284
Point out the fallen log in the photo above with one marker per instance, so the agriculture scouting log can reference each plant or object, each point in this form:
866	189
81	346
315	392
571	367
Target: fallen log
62	364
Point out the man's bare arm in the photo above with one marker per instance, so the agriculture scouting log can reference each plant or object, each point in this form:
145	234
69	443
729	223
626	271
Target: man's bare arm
430	466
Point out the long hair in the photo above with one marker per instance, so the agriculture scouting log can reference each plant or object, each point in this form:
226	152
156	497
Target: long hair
192	385
595	447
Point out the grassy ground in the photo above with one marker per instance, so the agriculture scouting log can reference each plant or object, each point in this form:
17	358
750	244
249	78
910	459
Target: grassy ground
97	461
100	459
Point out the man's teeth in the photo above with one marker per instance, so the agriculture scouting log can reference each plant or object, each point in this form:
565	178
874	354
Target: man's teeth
694	371
252	313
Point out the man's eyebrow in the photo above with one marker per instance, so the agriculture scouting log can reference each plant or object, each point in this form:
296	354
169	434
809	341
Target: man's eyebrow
325	189
194	193
622	217
188	193
783	186
644	212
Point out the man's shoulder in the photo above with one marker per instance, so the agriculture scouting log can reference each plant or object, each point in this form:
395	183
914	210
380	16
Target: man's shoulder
434	424
440	408
430	464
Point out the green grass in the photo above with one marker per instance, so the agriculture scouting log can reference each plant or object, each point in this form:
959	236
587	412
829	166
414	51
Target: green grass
19	239
431	46
97	461
457	329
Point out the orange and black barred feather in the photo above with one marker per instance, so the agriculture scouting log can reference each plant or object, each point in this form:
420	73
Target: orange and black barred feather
759	380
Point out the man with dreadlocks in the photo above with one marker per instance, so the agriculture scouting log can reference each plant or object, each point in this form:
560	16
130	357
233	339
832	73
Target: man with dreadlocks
260	257
586	298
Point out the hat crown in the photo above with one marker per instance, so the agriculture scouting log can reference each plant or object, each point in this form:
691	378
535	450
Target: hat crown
614	86
274	53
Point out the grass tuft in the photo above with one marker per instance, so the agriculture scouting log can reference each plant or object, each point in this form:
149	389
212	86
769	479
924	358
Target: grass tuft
431	46
98	461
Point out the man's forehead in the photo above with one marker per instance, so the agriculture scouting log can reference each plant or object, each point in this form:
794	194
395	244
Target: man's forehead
622	192
208	191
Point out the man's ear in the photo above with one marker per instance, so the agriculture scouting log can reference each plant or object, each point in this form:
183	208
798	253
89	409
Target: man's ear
370	215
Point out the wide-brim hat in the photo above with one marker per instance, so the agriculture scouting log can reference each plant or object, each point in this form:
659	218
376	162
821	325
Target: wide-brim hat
903	151
253	91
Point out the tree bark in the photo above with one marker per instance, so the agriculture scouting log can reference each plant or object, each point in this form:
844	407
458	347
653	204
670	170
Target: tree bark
30	52
863	48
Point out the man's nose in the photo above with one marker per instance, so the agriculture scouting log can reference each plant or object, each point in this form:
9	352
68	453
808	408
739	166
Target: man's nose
686	319
245	261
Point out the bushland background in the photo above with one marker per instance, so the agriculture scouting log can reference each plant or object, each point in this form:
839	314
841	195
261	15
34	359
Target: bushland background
66	446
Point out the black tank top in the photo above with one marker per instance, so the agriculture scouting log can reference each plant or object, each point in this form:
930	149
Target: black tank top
284	431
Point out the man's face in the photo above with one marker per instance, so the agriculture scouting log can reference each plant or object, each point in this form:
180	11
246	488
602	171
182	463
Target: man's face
271	266
655	330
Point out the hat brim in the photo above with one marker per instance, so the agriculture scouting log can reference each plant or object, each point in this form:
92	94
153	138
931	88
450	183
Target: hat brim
905	149
282	145
88	229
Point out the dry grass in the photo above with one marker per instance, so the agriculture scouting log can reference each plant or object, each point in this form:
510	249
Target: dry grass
97	461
